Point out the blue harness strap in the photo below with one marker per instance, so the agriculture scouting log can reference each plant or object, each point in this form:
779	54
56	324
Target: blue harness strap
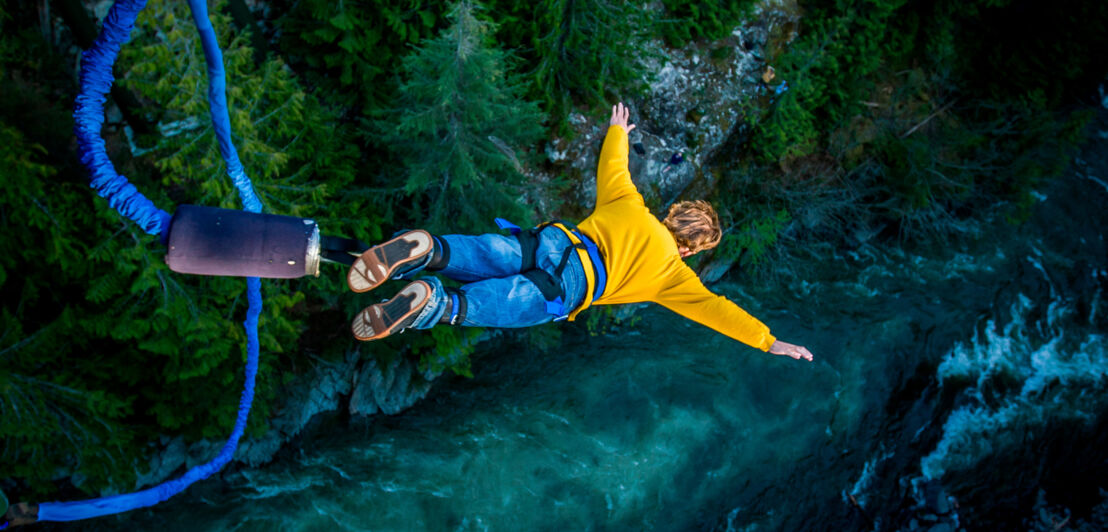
455	308
597	262
96	79
505	224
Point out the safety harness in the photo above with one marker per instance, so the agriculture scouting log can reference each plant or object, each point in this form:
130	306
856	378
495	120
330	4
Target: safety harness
548	284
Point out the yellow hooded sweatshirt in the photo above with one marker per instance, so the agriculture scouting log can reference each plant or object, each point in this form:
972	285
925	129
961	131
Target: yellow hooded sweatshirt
641	257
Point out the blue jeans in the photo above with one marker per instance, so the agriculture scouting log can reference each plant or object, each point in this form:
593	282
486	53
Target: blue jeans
496	294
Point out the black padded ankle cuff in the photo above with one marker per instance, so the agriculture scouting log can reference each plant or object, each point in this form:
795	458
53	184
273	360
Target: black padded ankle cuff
456	311
440	257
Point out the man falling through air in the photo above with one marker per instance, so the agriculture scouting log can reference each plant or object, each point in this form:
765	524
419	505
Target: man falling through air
621	253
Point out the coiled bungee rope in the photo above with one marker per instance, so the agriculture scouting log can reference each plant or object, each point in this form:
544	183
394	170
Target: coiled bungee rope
95	82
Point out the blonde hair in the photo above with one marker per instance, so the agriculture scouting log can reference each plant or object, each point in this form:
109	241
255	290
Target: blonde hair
694	225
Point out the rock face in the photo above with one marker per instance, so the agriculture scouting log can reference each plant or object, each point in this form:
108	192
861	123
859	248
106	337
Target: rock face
163	464
693	104
357	383
388	390
323	389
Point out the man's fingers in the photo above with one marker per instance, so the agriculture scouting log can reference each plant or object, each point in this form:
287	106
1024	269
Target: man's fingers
792	351
621	114
799	352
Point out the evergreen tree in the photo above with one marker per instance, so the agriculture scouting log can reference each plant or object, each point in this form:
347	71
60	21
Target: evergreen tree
50	418
687	20
352	49
584	51
592	50
459	126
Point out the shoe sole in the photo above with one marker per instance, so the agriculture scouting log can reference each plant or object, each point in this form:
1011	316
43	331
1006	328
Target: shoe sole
392	316
379	263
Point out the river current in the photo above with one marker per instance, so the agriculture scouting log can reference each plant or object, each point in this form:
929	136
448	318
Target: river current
959	385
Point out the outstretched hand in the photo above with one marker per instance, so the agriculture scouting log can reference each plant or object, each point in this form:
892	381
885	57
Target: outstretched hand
786	349
620	115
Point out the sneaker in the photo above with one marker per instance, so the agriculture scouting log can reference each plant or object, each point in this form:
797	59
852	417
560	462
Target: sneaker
392	315
379	263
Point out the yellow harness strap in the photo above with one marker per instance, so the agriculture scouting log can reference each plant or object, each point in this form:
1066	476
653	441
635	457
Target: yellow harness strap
586	262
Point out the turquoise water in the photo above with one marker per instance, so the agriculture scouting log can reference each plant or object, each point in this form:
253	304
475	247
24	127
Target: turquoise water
930	364
628	431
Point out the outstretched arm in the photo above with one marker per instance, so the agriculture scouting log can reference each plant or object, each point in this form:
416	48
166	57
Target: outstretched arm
613	178
787	349
690	298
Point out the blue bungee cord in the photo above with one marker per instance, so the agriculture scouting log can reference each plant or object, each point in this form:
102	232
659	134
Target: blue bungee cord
96	79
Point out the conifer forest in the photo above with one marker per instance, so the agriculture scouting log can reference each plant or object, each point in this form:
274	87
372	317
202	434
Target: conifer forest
845	126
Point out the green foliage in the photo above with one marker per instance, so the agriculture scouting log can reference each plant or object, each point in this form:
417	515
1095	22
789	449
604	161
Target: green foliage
753	238
285	139
35	409
545	338
458	126
48	417
604	319
352	49
791	128
582	51
574	62
446	348
828	72
887	126
689	20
